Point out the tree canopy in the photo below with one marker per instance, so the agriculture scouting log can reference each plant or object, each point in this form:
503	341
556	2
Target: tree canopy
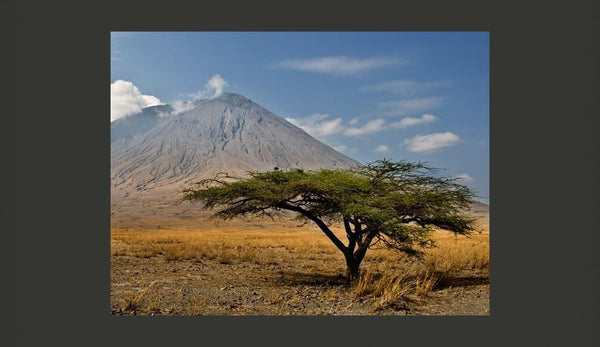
394	204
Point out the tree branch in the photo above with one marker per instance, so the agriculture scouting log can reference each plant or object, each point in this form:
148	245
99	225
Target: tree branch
351	235
364	245
339	244
358	230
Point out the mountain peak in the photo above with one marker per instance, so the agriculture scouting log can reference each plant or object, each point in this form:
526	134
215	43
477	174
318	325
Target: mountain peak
233	98
229	133
227	95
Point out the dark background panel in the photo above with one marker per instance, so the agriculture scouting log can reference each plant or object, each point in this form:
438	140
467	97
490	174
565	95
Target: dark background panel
55	172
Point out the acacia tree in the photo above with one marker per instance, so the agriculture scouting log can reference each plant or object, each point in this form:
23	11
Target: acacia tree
394	204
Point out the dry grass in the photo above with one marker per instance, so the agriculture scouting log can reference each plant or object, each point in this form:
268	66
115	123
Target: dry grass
424	284
383	290
146	300
257	247
387	279
199	306
416	279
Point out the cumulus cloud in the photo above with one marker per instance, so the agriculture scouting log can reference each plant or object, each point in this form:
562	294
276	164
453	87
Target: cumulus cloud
339	65
213	88
321	125
369	127
216	84
410	121
318	124
399	107
464	177
126	99
382	149
406	88
432	142
180	106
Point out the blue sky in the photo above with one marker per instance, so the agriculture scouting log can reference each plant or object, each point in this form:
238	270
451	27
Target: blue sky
420	96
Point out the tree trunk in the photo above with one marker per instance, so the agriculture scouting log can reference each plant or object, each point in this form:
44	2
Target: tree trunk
353	265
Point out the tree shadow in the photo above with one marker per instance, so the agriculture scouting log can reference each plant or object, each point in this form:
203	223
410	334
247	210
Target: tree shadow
466	281
296	278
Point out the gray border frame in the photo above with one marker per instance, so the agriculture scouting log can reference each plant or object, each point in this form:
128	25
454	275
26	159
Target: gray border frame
55	172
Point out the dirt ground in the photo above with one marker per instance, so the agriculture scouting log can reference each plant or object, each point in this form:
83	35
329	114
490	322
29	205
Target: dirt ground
210	288
267	272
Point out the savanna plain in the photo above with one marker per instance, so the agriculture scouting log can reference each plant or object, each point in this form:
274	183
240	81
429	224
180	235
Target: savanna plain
188	264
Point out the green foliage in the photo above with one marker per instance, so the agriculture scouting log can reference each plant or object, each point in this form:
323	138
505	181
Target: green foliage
394	204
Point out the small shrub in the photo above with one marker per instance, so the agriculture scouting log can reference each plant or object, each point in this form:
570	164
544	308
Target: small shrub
384	290
425	284
131	301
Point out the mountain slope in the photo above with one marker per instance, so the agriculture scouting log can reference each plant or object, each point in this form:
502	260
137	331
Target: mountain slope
153	153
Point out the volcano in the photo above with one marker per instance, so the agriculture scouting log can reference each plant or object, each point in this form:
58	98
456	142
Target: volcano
157	153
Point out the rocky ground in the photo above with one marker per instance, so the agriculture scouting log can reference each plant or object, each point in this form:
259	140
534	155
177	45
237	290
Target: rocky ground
155	286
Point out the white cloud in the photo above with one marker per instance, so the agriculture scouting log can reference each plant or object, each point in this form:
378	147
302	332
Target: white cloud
317	125
398	107
212	89
464	177
339	65
181	106
432	142
330	127
320	125
340	148
405	88
216	84
126	99
382	149
369	127
410	121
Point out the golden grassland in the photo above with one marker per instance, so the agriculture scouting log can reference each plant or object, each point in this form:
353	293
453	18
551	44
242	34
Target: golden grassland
387	277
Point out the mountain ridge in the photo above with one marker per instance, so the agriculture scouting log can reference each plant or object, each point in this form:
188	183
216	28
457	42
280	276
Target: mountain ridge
161	150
